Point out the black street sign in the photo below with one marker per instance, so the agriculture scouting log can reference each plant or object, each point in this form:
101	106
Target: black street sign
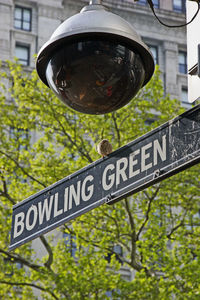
162	152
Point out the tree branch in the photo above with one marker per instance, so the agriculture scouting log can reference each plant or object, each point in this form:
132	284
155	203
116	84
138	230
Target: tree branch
174	229
69	137
50	252
133	263
4	192
18	258
147	212
6	195
31	285
133	233
95	244
181	223
22	169
117	129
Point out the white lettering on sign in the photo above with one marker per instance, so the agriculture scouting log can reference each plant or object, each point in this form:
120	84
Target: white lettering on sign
138	161
73	196
121	166
144	156
45	209
51	207
132	163
66	197
162	151
19	224
32	210
56	211
108	181
90	188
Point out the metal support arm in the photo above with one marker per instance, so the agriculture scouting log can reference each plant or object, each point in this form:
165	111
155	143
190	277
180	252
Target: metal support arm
195	70
198	61
94	2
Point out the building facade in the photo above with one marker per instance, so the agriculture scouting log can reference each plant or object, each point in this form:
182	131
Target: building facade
25	25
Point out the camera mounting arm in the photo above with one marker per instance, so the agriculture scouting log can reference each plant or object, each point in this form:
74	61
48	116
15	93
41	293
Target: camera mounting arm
95	2
195	70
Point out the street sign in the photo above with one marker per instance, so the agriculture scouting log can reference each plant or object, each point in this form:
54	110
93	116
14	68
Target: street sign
162	152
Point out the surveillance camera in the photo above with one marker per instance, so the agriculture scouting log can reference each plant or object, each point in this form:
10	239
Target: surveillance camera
95	62
95	76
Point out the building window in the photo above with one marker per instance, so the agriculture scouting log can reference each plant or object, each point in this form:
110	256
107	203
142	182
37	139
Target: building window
8	266
182	62
22	52
145	2
149	122
179	6
184	98
184	94
70	242
193	221
109	294
113	294
22	18
117	251
20	137
154	51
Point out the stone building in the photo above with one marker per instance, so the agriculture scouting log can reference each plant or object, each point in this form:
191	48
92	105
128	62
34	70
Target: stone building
25	25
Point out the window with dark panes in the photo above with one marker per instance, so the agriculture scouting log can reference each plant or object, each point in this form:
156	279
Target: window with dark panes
117	251
179	5
149	122
184	98
145	2
22	18
156	3
184	94
182	62
9	265
20	137
22	52
70	242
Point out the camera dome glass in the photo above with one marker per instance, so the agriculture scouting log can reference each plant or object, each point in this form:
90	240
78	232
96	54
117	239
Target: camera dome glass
95	76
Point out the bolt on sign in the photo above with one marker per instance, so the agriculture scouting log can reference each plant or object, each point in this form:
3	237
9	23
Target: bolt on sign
162	152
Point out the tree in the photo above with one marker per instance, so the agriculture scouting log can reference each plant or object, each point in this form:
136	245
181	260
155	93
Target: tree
157	230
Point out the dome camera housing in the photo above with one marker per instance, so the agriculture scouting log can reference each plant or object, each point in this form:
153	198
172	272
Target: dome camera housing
95	62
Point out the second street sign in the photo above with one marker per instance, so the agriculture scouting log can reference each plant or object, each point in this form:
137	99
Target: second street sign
168	149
